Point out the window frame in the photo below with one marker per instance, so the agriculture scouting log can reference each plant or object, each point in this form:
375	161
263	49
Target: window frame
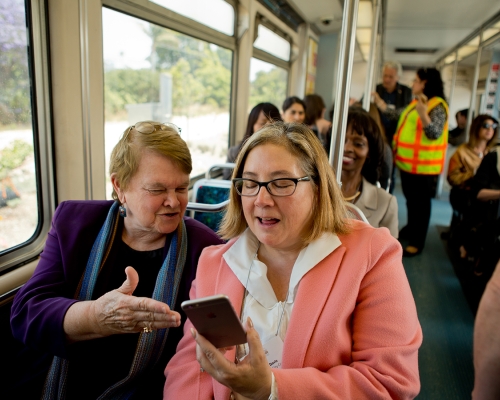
269	58
156	14
39	70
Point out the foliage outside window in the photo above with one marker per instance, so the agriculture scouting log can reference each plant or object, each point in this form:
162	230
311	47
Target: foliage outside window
268	83
154	73
18	191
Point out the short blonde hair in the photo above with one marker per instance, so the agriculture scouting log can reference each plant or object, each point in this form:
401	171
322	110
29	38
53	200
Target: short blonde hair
329	209
164	140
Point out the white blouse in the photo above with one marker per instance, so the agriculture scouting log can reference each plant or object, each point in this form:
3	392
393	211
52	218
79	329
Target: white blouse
261	304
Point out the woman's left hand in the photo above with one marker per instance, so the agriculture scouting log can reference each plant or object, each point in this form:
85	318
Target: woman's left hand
421	108
421	105
250	378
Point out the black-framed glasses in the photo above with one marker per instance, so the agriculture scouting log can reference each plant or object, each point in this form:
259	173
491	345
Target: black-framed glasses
277	187
146	127
488	126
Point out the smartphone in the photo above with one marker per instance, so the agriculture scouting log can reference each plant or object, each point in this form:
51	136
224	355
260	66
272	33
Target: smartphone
214	318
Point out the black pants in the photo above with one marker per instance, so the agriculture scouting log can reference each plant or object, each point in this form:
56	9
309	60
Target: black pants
418	191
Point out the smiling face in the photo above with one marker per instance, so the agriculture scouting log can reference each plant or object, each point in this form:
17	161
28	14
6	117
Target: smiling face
294	113
278	222
356	150
155	198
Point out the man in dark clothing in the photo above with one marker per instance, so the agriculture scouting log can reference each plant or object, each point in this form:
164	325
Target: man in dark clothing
396	96
457	135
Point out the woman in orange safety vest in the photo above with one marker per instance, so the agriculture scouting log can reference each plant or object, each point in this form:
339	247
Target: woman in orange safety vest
419	147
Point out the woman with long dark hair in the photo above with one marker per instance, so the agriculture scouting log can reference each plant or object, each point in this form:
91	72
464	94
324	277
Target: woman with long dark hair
419	152
261	115
466	160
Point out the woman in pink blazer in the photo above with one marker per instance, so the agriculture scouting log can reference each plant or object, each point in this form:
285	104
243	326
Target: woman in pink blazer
327	307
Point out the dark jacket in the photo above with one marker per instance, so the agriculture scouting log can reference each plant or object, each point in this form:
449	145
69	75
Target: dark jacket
403	98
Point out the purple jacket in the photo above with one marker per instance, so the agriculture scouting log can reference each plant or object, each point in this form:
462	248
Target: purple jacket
39	307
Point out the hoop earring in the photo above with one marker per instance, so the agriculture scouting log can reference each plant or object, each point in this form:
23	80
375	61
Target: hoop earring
123	211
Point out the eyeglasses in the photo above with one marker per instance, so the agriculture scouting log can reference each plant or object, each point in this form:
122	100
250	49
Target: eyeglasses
146	127
277	187
488	126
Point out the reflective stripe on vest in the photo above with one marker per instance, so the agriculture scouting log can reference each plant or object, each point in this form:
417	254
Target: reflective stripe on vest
414	152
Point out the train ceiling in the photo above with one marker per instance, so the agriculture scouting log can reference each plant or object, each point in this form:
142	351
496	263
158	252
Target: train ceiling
427	25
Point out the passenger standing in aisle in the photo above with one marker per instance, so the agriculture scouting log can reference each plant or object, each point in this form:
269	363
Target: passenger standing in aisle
419	152
395	96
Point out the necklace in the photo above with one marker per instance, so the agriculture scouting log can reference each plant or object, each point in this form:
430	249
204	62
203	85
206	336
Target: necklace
358	192
352	197
246	293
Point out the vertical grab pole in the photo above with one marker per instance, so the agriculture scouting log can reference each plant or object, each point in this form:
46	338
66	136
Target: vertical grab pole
453	80
346	55
371	59
440	183
474	86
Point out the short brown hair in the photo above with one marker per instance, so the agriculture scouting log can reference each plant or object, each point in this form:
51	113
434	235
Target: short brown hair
165	141
300	141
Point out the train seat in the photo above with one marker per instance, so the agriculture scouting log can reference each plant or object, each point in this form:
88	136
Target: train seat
211	191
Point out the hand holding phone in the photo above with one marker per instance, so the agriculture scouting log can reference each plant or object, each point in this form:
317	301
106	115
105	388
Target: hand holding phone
214	318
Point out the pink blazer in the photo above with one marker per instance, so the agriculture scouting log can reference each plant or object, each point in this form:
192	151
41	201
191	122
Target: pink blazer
353	332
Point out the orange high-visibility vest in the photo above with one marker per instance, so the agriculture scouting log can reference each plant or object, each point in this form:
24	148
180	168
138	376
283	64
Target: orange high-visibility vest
413	151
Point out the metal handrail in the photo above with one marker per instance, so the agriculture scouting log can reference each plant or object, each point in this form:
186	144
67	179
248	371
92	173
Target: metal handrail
344	75
202	207
356	212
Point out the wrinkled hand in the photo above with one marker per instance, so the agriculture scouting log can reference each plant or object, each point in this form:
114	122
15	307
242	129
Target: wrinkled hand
250	378
120	312
381	105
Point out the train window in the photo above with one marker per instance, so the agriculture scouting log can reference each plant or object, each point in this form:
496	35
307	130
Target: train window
19	206
272	43
154	73
491	31
217	14
268	83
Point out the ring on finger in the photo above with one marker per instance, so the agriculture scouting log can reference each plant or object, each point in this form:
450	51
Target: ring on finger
148	328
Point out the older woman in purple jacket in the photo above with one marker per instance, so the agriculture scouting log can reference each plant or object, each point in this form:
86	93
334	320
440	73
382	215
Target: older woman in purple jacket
111	278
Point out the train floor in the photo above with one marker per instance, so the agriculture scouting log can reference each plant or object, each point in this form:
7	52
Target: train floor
445	358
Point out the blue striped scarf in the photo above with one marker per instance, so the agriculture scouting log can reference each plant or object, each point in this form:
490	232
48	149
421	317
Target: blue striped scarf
150	345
